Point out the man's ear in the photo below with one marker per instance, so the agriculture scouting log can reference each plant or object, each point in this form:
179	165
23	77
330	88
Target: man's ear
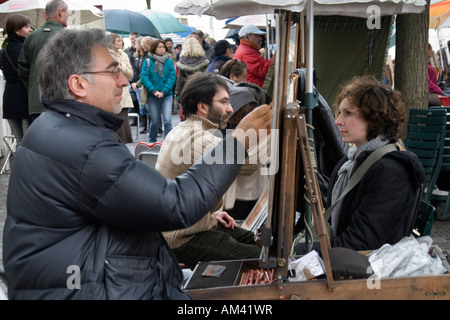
202	109
60	13
78	84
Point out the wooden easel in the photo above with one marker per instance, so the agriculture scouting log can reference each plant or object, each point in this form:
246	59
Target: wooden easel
277	234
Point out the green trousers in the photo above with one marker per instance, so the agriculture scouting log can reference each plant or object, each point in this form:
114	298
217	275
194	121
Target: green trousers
222	244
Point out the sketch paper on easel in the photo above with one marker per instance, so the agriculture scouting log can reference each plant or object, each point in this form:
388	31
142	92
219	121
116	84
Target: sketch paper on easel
258	214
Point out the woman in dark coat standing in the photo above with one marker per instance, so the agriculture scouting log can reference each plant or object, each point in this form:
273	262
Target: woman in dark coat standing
15	96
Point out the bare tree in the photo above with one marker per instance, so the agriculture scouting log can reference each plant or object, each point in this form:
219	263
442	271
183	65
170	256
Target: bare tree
411	60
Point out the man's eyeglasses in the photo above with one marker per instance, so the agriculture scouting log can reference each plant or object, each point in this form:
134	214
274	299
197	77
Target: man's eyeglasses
116	72
225	101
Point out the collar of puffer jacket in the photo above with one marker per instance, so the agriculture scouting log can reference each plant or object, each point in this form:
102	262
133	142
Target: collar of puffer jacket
85	112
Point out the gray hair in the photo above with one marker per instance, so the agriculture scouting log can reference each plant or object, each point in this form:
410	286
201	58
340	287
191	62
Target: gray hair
53	6
66	53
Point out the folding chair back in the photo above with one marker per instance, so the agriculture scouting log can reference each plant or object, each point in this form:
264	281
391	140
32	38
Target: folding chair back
424	220
426	136
441	198
148	152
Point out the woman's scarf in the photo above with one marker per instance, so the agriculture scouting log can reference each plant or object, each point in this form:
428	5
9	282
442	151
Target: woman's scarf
191	61
159	62
345	172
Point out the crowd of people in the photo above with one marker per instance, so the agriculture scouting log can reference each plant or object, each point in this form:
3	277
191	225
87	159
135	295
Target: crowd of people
197	53
161	101
87	220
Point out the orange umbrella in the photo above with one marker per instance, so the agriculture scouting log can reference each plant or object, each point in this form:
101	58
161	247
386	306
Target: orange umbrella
439	13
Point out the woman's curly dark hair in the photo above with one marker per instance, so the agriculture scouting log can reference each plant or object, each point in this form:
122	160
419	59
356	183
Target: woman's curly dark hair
379	105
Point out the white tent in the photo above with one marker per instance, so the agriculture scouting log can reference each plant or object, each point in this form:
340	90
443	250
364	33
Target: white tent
259	20
82	12
222	9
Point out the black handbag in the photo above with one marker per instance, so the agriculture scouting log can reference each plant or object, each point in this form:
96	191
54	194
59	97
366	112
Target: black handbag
423	221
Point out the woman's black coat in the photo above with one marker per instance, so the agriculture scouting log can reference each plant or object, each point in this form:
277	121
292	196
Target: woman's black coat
376	211
15	97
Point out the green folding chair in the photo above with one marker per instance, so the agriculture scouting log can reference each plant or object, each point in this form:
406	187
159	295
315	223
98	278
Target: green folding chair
424	220
426	136
441	198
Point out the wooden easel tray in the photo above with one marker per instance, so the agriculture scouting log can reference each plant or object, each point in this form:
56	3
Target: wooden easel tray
408	288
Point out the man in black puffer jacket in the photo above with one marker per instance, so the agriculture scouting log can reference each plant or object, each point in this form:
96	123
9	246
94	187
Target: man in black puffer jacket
84	216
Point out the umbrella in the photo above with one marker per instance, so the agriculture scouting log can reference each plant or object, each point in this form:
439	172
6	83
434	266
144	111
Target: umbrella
439	18
164	21
187	31
259	20
35	10
233	34
125	21
229	20
439	14
178	37
222	9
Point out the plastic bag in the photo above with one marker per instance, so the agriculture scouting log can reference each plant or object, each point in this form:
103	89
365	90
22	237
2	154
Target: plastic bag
308	267
407	258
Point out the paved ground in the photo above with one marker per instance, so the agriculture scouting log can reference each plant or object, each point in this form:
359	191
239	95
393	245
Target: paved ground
440	232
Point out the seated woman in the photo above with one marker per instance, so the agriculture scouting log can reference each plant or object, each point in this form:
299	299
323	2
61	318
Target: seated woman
376	210
434	91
